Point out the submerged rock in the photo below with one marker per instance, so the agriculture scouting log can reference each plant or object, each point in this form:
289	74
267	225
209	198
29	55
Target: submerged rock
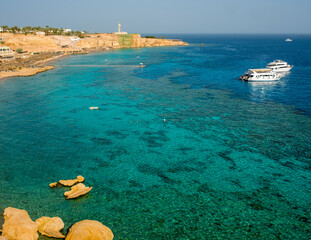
77	191
50	227
18	225
72	182
54	184
89	229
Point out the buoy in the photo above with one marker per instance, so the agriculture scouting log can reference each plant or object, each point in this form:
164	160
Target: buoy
93	108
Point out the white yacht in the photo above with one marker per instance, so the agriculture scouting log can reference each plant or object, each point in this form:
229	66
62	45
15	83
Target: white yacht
260	75
279	66
288	40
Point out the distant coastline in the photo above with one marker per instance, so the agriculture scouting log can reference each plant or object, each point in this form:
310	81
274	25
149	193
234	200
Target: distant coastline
30	53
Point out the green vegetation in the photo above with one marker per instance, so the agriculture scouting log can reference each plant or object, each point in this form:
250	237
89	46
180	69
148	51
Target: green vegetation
19	50
2	42
125	40
150	37
154	37
46	30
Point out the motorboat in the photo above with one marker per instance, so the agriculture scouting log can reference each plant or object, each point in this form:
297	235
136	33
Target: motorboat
279	66
260	75
93	108
288	40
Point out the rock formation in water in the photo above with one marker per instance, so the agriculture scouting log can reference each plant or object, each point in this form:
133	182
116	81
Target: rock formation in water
72	182
77	191
18	225
50	227
53	185
89	229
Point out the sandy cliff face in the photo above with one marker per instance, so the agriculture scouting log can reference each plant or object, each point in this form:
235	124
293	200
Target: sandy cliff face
138	41
35	43
98	41
29	42
122	41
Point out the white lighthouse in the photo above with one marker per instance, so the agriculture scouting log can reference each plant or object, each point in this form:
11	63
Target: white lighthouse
119	30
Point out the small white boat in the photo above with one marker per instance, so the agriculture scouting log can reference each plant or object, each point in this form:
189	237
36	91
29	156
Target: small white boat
260	75
288	40
279	66
93	108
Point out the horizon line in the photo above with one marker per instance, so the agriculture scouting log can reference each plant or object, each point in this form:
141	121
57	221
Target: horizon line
235	33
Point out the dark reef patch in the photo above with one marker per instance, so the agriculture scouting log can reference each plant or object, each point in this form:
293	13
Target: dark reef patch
104	164
102	141
116	134
225	156
154	139
150	170
113	154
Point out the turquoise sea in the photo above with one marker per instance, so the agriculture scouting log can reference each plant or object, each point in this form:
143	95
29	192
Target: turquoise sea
180	149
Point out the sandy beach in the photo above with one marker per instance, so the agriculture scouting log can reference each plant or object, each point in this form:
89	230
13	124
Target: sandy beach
25	72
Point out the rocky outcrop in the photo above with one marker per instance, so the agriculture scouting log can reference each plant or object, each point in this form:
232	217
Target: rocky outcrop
89	229
53	185
18	225
72	182
50	227
139	41
76	191
3	238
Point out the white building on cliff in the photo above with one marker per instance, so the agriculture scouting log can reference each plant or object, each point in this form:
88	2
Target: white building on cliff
119	30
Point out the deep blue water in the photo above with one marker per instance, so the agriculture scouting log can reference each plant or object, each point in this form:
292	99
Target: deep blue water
225	57
180	149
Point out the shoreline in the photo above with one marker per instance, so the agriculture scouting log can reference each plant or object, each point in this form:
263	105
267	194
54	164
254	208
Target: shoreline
39	67
25	72
38	51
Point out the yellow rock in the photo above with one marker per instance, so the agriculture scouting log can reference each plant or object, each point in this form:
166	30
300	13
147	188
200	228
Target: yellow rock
77	191
80	179
89	229
72	182
54	184
18	225
50	227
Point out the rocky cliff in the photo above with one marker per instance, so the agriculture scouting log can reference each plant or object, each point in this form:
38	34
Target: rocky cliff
36	43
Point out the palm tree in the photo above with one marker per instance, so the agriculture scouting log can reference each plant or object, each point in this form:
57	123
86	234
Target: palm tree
60	32
4	28
55	30
27	29
15	29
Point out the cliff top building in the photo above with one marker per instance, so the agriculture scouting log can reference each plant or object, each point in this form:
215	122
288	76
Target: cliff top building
119	30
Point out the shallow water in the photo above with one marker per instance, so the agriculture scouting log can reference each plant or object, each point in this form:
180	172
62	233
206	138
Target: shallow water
178	150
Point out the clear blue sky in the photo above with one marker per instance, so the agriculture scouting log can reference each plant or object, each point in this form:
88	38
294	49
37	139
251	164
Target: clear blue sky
162	16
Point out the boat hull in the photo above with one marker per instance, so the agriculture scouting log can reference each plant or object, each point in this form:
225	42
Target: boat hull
263	80
281	70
